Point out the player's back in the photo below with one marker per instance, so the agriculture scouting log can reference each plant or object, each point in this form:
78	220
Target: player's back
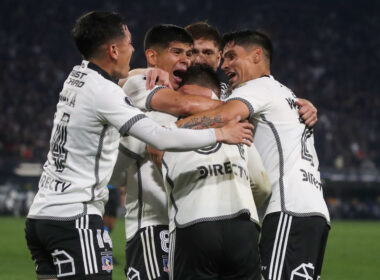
208	185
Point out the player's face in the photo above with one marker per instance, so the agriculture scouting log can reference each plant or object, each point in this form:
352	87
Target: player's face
206	52
125	51
175	60
237	64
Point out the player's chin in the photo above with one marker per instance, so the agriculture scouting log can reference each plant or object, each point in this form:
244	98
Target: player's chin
175	84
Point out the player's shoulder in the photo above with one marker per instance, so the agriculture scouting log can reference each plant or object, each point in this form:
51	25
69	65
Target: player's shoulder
134	83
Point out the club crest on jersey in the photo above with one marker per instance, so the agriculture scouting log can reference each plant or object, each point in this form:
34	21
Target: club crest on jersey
107	263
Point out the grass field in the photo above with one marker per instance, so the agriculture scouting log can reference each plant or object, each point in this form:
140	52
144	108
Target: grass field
353	251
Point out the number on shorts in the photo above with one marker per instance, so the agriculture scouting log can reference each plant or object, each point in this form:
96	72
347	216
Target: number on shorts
164	236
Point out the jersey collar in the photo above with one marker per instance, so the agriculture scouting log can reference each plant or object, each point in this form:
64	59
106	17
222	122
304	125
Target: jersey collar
105	75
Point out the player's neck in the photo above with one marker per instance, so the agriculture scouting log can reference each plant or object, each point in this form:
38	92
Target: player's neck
103	64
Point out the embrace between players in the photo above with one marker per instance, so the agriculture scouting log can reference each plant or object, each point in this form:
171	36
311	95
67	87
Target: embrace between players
196	216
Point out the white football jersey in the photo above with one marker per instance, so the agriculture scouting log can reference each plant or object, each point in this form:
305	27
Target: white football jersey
209	184
146	201
91	111
286	147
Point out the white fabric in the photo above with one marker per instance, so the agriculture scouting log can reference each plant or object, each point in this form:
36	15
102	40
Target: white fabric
83	146
171	139
208	184
286	147
145	192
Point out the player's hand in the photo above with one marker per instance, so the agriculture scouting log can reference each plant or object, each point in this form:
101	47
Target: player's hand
156	76
235	132
196	90
155	155
307	112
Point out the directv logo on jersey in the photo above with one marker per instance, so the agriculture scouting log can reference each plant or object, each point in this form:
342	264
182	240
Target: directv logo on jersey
49	183
222	169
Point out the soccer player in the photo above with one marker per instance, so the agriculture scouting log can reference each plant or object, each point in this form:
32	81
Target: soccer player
64	228
213	219
207	48
296	223
167	47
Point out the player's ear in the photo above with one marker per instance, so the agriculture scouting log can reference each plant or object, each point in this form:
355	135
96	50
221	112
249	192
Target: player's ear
257	55
151	57
112	51
219	57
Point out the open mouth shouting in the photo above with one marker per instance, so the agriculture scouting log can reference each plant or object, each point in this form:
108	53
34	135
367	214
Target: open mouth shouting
178	75
231	77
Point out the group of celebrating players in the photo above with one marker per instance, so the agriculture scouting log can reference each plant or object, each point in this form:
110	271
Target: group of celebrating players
193	211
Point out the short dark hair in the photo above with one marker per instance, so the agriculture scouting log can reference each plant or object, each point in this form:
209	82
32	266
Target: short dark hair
202	75
162	35
95	28
249	38
203	30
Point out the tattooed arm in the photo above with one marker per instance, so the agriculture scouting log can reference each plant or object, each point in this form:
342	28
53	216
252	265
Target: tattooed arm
217	117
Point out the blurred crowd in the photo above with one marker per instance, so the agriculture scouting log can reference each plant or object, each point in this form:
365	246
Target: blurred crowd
326	51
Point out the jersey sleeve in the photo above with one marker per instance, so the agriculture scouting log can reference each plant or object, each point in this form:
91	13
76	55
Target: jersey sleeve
114	108
170	139
254	96
136	90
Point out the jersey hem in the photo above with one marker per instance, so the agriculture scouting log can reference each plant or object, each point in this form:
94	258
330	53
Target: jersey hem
301	214
216	218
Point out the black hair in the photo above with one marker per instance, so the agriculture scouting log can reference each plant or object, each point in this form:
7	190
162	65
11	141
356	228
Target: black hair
202	75
162	35
203	30
95	28
249	38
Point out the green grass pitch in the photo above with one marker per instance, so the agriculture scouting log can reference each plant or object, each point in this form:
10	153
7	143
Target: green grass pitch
353	251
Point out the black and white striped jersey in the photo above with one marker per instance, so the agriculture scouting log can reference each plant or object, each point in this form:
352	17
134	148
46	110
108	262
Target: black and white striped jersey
286	147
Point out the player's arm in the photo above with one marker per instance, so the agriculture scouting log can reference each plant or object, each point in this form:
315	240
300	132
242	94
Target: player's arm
154	76
218	116
177	139
178	104
115	110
